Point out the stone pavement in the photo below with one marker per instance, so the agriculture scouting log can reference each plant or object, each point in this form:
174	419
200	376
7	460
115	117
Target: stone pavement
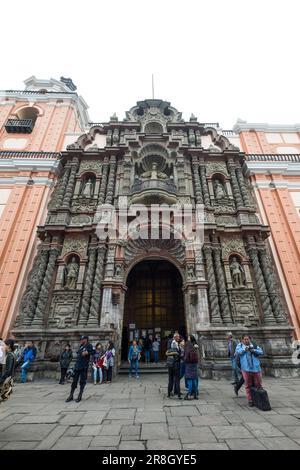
136	414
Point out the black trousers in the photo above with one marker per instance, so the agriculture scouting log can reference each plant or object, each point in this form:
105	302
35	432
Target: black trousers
63	372
174	380
82	375
107	374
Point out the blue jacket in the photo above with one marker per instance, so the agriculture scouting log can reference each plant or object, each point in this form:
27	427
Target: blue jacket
249	361
28	355
130	354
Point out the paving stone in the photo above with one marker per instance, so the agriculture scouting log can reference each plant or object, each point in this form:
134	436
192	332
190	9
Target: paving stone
26	432
184	411
283	420
291	431
164	444
121	414
173	432
52	438
154	431
284	411
39	419
110	429
227	432
90	430
279	443
132	445
205	446
264	430
150	417
197	434
72	443
208	420
105	441
72	418
91	417
179	421
20	445
131	430
208	409
72	430
244	444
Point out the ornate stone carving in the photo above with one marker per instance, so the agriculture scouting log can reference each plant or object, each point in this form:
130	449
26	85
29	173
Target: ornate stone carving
235	186
79	205
237	273
90	165
88	285
87	189
244	307
140	247
75	243
212	287
190	271
233	245
64	309
223	296
226	220
204	185
81	220
70	186
71	274
216	167
96	293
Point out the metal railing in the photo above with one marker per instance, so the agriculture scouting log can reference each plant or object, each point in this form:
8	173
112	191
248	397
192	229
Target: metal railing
273	157
19	125
139	186
16	154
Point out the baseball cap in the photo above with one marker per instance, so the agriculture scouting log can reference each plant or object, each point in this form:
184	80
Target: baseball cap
84	337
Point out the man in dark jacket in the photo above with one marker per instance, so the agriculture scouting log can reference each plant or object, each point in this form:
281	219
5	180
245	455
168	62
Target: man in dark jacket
173	362
84	353
231	347
64	360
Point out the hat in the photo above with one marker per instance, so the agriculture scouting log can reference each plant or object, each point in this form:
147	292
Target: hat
84	337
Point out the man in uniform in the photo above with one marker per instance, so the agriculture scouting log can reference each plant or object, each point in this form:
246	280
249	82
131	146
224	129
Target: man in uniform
84	353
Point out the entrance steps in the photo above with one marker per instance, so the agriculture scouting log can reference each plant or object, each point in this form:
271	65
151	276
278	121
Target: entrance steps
151	368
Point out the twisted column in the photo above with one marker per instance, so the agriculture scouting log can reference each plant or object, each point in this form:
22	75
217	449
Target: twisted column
111	181
212	288
45	289
70	186
260	282
30	298
204	185
102	191
88	285
96	291
235	186
196	180
271	287
62	187
243	187
223	296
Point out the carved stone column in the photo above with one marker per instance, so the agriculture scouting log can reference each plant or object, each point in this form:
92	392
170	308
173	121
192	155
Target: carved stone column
223	296
271	287
70	186
243	187
31	295
196	179
38	319
235	186
180	176
102	191
96	292
204	185
260	282
88	286
62	187
127	165
212	288
111	180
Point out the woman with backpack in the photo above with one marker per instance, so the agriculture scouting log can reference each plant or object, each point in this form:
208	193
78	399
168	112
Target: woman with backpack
191	360
134	357
109	361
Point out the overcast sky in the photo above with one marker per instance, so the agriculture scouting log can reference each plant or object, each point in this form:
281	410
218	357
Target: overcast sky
218	59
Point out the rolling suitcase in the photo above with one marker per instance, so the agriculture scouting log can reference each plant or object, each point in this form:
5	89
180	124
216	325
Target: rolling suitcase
260	398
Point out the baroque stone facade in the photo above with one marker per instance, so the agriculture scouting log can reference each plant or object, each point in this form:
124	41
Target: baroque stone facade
78	280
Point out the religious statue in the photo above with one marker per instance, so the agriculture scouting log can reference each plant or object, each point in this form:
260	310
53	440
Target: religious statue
71	274
153	173
191	271
118	269
237	273
87	190
219	190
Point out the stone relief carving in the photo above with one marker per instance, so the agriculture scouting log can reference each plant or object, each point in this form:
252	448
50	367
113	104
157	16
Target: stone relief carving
87	188
216	167
81	220
220	192
237	273
232	245
75	243
71	274
244	307
90	165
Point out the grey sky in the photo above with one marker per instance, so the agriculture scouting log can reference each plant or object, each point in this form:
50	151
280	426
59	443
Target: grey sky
217	59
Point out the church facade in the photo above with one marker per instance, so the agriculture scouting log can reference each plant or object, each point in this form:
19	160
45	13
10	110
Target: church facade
90	276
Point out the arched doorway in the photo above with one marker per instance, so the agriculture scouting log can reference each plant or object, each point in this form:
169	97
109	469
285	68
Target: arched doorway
153	304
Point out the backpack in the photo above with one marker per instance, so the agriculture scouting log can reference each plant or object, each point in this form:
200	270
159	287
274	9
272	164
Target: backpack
193	357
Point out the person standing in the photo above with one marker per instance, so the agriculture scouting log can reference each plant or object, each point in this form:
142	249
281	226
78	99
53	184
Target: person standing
84	353
2	355
155	349
134	357
28	358
8	370
173	363
147	348
64	361
231	347
249	354
109	361
191	360
98	363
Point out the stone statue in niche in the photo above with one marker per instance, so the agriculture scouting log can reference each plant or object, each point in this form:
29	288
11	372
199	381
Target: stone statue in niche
219	190
154	174
71	274
237	273
88	187
190	271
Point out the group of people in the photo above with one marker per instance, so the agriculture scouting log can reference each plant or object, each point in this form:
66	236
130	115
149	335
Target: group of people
246	369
